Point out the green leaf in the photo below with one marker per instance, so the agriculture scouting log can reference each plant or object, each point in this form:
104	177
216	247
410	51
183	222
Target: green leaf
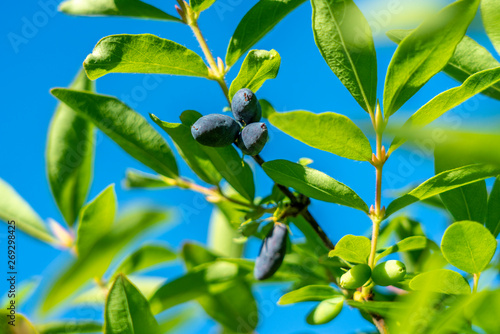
127	311
14	207
96	219
405	245
344	38
222	233
173	322
132	8
259	20
441	281
448	100
469	246
493	217
309	293
70	327
345	139
490	13
267	108
69	155
127	228
443	182
382	308
200	5
425	52
144	258
313	183
351	248
258	66
22	325
465	203
135	179
190	150
468	59
142	54
125	126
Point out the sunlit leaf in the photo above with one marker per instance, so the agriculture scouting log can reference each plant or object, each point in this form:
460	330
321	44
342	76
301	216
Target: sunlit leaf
200	5
149	255
142	54
259	20
344	38
424	52
313	183
442	281
405	245
351	248
70	327
469	246
126	127
493	217
135	179
309	293
258	66
345	139
490	13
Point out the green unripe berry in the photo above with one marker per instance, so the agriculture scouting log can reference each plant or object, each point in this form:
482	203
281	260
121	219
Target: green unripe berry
326	311
356	277
389	273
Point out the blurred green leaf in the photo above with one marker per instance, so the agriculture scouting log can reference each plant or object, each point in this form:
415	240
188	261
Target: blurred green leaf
127	228
135	179
95	221
448	100
465	203
325	311
468	59
309	293
485	315
490	13
127	311
200	5
312	238
405	245
441	281
259	20
352	248
147	256
126	127
143	53
493	217
267	108
469	246
222	233
258	66
424	52
313	183
173	322
345	139
190	150
132	8
69	155
22	324
443	182
14	207
345	40
70	327
378	307
235	314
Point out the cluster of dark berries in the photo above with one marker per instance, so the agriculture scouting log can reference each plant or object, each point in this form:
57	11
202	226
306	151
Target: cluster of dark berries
246	131
272	252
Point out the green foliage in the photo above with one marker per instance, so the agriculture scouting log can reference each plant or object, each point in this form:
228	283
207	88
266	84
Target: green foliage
126	127
135	179
313	183
14	207
95	220
256	24
312	129
69	156
408	244
70	327
344	38
123	54
442	182
493	217
309	293
469	246
127	311
424	52
200	5
490	13
144	258
132	8
442	281
351	248
258	66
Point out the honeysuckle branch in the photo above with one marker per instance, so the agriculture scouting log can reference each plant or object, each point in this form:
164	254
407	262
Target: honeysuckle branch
218	74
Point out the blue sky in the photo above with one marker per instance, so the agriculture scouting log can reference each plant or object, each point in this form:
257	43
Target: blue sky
53	49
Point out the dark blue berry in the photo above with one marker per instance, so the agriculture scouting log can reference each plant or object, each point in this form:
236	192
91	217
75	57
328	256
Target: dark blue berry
245	106
215	130
252	138
271	253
